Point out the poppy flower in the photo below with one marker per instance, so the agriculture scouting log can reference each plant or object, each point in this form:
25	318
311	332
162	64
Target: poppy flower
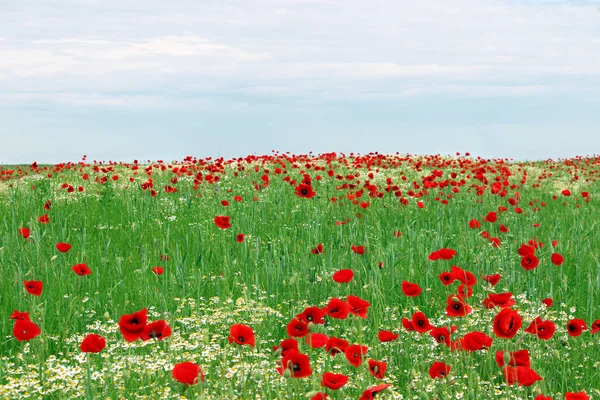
548	302
156	330
377	368
320	396
158	270
358	249
63	247
336	345
333	381
312	314
443	334
439	370
132	325
407	324
420	322
507	323
566	192
473	341
92	343
387	336
44	219
297	363
576	396
557	259
240	237
503	300
81	269
525	250
522	376
24	329
187	373
316	340
474	224
542	329
357	306
576	326
20	315
241	334
492	279
515	358
343	276
355	353
305	191
297	328
411	289
286	345
222	221
542	397
338	308
224	203
371	392
444	254
530	261
465	291
595	327
465	277
318	249
33	287
456	307
25	232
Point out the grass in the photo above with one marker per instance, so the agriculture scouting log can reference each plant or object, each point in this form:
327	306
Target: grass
211	281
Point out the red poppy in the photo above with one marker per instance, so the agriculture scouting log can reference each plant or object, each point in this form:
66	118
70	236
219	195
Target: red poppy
317	340
410	289
158	270
522	376
357	306
156	330
92	343
355	353
320	396
503	228
443	334
557	259
25	232
515	358
24	329
241	334
223	221
474	224
503	300
566	192
576	326
420	322
371	392
548	302
492	279
491	217
446	278
44	219
286	346
20	315
542	397
465	291
444	254
63	247
358	249
377	368
224	203
338	308
33	287
473	341
595	327
305	191
507	323
465	277
457	307
407	324
343	276
187	373
313	314
530	261
542	329
333	381
132	325
387	336
81	269
318	249
576	396
439	370
525	250
297	328
240	237
336	345
296	363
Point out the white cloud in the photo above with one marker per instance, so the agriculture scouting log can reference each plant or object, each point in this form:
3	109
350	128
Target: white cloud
375	49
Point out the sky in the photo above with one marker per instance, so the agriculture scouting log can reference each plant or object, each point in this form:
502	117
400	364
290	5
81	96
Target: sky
154	79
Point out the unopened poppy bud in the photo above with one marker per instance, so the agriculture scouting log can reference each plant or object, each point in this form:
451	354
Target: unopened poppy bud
54	257
557	354
287	373
455	299
506	358
354	330
311	394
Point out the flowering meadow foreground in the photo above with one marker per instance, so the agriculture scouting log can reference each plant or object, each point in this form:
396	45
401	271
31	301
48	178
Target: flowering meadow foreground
301	277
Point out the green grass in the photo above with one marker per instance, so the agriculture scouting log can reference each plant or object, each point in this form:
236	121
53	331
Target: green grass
212	282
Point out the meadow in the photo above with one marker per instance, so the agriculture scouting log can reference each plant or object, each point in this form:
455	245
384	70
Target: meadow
341	276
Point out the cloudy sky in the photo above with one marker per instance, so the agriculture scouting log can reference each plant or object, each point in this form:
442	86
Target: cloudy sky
125	79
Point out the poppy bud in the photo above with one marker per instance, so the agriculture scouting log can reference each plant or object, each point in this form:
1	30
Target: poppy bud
354	330
287	373
54	257
506	358
311	394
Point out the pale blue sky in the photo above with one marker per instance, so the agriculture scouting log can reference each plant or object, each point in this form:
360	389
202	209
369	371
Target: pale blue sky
124	79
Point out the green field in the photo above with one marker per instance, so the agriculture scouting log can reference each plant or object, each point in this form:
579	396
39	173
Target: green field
399	208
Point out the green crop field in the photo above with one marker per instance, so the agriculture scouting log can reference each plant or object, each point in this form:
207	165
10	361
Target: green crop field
165	262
